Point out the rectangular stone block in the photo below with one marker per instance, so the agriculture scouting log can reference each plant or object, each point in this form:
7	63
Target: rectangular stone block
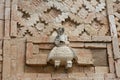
1	28
110	76
7	13
111	65
80	39
109	50
59	75
46	46
101	38
117	67
1	11
77	75
100	57
30	76
0	51
14	2
89	69
44	76
14	52
95	45
42	59
14	8
76	45
6	60
84	56
7	29
101	69
0	67
7	3
29	52
13	28
2	1
1	58
35	48
42	39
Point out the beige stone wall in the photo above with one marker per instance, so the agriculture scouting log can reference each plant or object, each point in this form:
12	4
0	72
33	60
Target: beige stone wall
27	33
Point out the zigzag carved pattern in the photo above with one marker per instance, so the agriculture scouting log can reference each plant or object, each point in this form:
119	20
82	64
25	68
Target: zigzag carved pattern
54	13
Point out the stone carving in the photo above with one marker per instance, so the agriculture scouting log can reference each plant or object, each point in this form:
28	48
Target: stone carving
61	54
84	18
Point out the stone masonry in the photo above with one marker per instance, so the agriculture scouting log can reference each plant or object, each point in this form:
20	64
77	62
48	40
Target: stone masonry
28	30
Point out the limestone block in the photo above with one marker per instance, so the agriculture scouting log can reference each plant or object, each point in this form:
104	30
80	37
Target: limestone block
1	58
14	52
6	60
95	45
110	76
101	38
89	69
111	65
30	76
117	67
98	76
34	56
46	46
42	59
7	3
7	13
13	28
100	57
77	45
109	50
29	52
77	75
84	56
14	2
1	28
44	76
35	49
2	1
1	52
2	11
101	69
7	28
59	75
0	67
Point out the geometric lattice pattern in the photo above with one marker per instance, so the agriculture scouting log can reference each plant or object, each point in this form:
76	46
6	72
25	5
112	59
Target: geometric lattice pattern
79	17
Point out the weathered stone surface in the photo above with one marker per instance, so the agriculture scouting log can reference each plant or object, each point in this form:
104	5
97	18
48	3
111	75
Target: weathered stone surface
100	57
6	60
95	45
84	56
101	38
1	11
100	69
92	26
117	65
59	76
109	76
1	28
7	29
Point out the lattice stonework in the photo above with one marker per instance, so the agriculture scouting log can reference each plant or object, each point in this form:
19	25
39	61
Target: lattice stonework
79	17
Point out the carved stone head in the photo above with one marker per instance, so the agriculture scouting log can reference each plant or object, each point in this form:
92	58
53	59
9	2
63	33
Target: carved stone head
60	31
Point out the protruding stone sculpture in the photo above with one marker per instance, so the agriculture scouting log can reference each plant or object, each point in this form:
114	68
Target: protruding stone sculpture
61	54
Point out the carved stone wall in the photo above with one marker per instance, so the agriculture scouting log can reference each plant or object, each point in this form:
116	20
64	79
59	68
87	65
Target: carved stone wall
28	29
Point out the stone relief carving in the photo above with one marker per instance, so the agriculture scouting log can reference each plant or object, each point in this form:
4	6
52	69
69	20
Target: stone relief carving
61	54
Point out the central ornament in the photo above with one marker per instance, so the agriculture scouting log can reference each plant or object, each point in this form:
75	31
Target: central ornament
62	54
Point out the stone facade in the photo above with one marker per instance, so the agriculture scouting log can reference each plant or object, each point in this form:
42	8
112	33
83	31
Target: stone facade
28	30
